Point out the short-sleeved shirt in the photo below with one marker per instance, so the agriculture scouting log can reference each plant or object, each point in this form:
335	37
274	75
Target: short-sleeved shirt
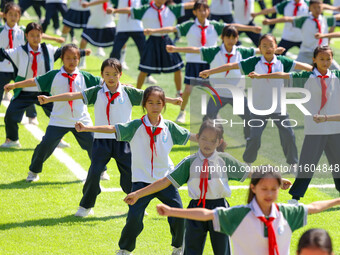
149	16
222	167
262	88
56	1
241	12
286	8
18	36
120	108
249	234
309	28
310	81
99	18
76	5
216	56
192	31
55	83
220	7
126	23
135	133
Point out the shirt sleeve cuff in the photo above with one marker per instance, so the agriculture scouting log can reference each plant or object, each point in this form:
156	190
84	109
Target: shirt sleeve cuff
118	136
37	83
174	183
216	221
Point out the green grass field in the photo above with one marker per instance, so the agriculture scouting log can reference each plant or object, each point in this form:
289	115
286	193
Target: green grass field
37	218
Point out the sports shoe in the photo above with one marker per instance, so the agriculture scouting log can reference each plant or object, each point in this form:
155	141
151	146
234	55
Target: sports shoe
177	251
104	176
62	144
32	177
83	212
100	52
125	66
293	202
33	121
150	80
123	252
181	117
82	63
74	40
57	32
11	144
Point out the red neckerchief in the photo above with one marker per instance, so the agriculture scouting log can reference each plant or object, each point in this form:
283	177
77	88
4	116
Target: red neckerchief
323	90
152	140
296	8
203	36
319	28
105	6
34	63
245	7
113	97
10	38
159	12
229	56
70	81
204	182
269	66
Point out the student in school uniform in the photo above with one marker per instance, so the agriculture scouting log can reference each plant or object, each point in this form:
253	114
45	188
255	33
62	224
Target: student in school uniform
200	33
29	60
64	114
324	86
309	25
262	226
151	139
100	29
262	97
221	10
155	58
113	102
207	189
315	241
291	36
76	17
53	7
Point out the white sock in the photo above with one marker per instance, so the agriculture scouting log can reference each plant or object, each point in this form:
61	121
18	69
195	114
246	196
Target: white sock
82	61
65	37
122	55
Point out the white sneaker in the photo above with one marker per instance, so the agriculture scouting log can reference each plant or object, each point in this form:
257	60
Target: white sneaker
293	202
63	145
32	177
150	80
123	252
57	32
104	176
181	117
177	251
11	144
74	40
83	212
33	121
125	66
7	96
100	52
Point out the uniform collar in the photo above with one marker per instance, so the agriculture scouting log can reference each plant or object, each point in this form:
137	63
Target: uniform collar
224	50
119	88
206	22
148	124
317	73
258	212
30	49
212	158
13	28
76	71
312	17
263	60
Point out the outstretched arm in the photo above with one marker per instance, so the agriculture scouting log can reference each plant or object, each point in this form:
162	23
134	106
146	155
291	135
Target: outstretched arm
69	96
57	39
206	73
174	101
87	4
277	75
172	49
328	35
240	27
20	84
264	12
80	127
278	20
322	118
303	66
163	30
320	206
200	214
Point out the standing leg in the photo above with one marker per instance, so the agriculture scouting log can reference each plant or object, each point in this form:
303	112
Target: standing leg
213	109
4	79
85	140
178	80
120	40
51	9
139	39
141	79
253	36
332	152
122	155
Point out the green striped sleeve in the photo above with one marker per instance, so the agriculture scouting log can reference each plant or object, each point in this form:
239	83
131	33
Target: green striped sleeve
208	54
126	131
247	66
179	135
180	175
296	215
90	95
184	27
135	95
44	82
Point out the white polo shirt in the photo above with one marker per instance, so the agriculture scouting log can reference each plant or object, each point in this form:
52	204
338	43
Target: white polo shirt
149	16
223	167
286	8
216	56
135	133
240	15
220	7
125	22
99	18
192	31
310	81
54	83
18	35
249	234
262	88
56	1
76	5
120	108
309	28
41	66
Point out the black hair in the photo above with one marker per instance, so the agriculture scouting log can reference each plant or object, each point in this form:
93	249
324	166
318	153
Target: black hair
112	62
314	2
229	31
33	26
316	238
9	6
261	172
319	49
149	91
267	36
218	128
68	47
199	3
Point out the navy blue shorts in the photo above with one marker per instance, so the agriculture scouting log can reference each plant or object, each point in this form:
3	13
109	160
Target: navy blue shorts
100	37
192	71
76	19
156	59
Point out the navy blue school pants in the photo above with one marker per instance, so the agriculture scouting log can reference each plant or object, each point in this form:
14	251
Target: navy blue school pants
51	140
253	36
103	150
31	112
212	111
287	137
288	45
4	79
122	37
312	149
16	109
196	232
226	18
51	10
134	220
